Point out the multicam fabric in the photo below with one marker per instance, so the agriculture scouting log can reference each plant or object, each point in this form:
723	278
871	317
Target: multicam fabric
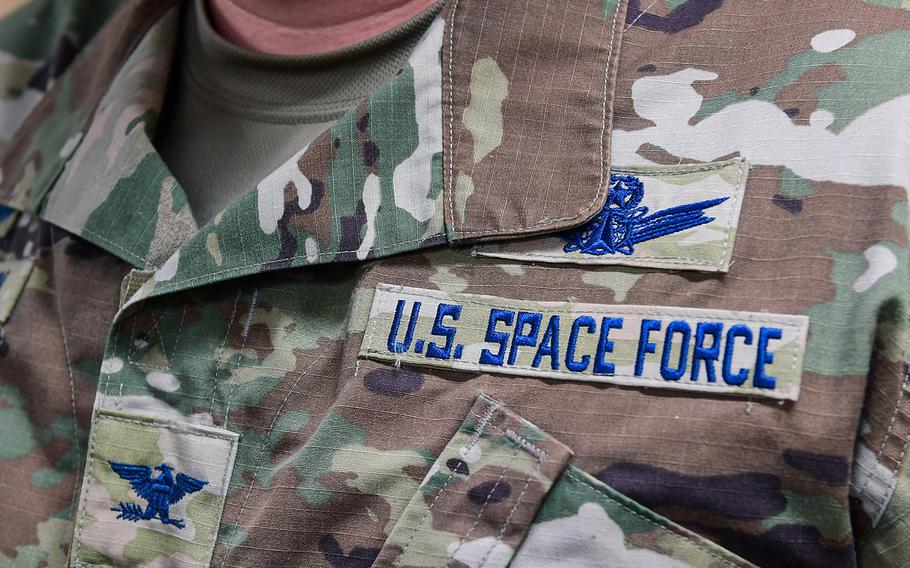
586	523
505	123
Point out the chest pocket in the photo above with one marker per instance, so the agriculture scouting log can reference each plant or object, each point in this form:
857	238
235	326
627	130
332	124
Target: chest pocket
502	493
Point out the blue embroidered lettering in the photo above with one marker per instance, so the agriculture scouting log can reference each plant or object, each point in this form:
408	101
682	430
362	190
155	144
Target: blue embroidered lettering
549	346
644	343
501	337
521	338
394	346
735	331
604	346
698	350
707	354
573	365
765	357
668	373
441	330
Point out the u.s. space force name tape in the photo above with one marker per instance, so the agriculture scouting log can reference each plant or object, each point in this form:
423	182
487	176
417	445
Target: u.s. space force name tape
691	349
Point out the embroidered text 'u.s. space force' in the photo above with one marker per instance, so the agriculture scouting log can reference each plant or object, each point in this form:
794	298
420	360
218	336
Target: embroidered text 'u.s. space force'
722	351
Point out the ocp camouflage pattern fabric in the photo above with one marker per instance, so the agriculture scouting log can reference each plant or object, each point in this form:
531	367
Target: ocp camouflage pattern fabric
238	353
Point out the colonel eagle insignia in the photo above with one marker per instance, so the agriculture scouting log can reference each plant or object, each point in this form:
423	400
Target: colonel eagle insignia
160	491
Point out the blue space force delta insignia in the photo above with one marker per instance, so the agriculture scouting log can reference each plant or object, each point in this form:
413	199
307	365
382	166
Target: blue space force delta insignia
624	222
160	491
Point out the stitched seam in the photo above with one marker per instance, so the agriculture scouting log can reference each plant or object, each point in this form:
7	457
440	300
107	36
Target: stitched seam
559	375
651	522
230	398
173	427
525	444
261	456
745	316
87	489
881	451
738	193
167	359
479	428
900	461
508	521
218	359
600	184
69	370
451	104
883	503
483	508
169	286
126	251
658	171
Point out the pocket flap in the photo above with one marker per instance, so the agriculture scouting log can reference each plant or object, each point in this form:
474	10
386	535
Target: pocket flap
478	499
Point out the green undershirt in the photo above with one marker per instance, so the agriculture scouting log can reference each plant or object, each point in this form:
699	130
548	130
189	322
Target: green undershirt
232	116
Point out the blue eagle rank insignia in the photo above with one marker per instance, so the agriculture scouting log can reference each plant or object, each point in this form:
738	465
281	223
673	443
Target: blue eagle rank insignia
624	222
160	492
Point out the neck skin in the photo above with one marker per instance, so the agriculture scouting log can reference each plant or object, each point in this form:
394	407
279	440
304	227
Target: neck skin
308	27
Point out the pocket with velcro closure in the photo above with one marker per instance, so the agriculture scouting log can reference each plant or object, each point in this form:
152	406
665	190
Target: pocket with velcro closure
502	493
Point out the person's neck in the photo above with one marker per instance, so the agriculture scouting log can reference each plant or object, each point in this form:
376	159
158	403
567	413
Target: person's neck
307	27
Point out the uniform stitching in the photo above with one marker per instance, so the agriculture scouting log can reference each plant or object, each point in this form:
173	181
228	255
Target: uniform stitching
173	427
218	359
169	286
508	520
738	193
607	261
651	522
862	490
128	252
882	503
479	428
450	83
262	448
600	184
745	316
476	367
483	508
72	384
230	398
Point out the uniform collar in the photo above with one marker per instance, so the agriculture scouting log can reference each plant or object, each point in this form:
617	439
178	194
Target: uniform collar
489	132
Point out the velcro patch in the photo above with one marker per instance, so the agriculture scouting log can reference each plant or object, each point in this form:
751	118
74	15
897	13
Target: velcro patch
721	351
153	492
675	217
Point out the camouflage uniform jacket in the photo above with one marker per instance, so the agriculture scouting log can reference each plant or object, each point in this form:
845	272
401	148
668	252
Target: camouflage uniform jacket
588	283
